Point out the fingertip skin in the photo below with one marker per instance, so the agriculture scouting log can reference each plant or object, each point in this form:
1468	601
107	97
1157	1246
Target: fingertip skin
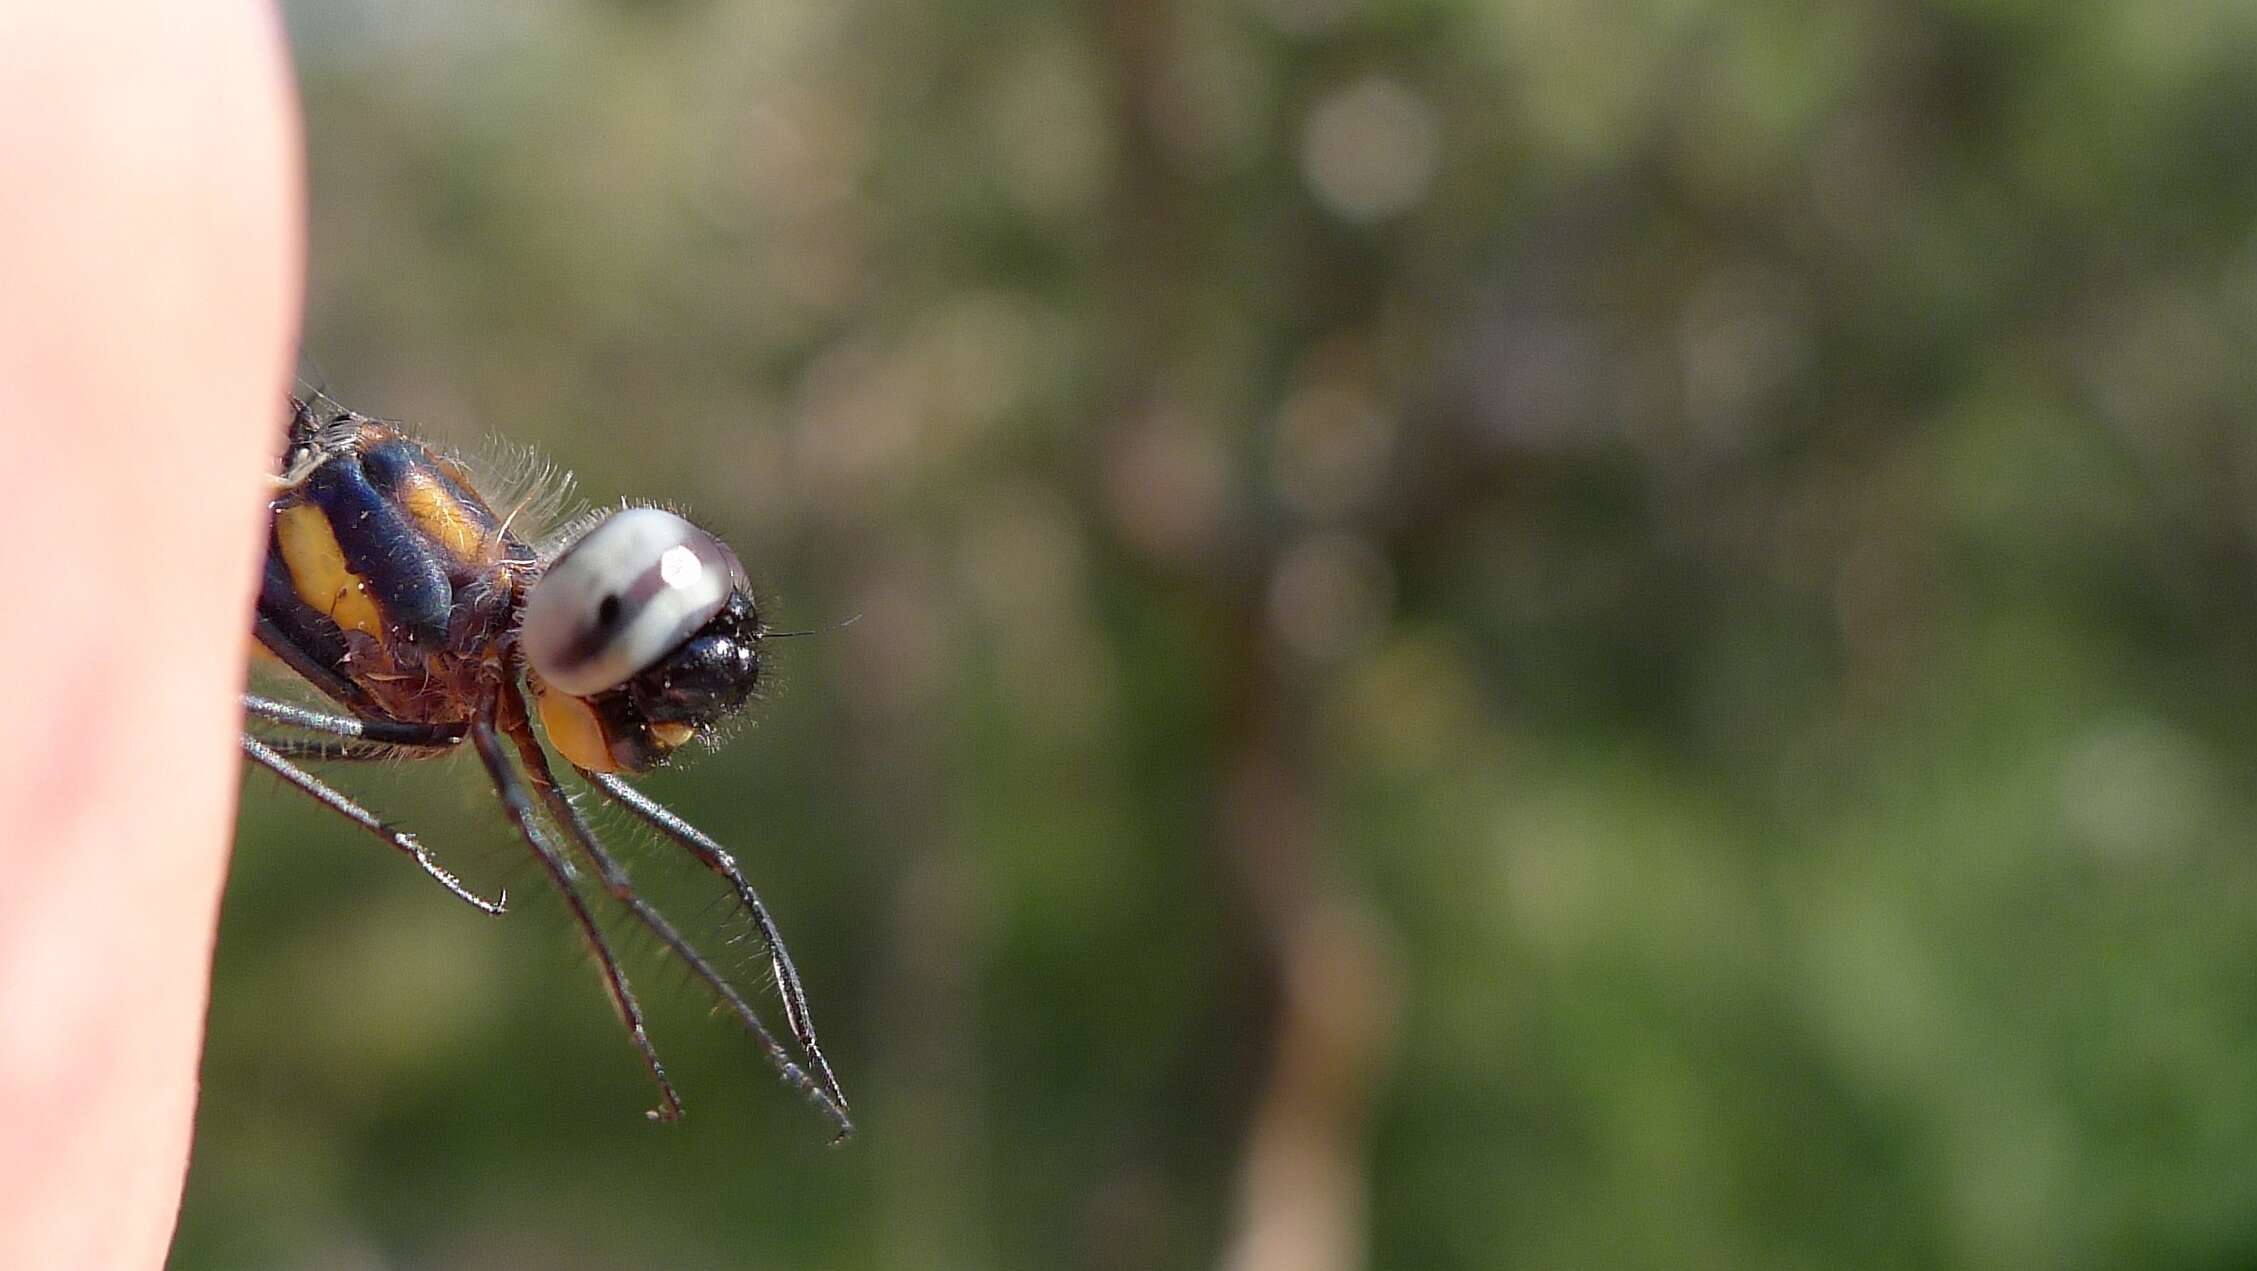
151	246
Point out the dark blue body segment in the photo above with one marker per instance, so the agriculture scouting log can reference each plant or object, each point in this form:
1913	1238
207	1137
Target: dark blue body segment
403	570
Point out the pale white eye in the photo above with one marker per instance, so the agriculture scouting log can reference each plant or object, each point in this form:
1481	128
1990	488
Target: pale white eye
626	594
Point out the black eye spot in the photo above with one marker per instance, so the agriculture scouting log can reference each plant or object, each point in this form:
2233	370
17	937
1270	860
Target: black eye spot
607	611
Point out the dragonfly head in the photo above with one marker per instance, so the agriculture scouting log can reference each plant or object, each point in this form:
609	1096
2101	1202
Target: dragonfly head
641	635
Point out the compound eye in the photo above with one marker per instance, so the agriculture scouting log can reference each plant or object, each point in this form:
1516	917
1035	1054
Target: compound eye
628	593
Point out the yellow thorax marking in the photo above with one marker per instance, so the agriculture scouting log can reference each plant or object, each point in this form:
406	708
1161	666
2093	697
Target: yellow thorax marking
442	516
317	569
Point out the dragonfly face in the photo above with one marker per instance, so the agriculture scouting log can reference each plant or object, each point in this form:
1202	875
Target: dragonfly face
394	589
641	636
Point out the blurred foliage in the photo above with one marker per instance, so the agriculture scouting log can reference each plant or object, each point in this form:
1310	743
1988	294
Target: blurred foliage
1703	549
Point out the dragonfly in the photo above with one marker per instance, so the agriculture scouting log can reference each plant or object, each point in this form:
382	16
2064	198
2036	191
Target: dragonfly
426	620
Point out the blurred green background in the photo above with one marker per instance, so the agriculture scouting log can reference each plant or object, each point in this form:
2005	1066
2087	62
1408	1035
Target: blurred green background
1485	633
